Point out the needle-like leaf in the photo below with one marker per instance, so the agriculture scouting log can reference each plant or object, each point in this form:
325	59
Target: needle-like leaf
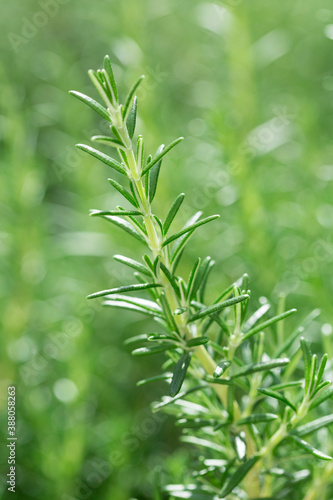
221	368
160	155
103	158
268	323
172	213
238	476
131	119
217	307
110	75
276	395
257	418
153	176
122	289
307	447
314	426
124	193
189	229
259	367
133	264
130	97
307	358
92	104
126	226
180	373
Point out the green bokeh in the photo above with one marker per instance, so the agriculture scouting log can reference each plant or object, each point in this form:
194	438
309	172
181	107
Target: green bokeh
249	85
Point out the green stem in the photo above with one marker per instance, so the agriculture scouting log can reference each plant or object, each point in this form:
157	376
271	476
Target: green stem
155	244
317	490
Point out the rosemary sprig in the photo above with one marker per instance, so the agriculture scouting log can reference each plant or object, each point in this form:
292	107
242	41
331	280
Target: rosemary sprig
230	391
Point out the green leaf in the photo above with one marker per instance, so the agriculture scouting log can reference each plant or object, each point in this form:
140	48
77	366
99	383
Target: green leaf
136	338
140	152
146	351
194	423
313	370
257	418
218	381
171	279
131	119
204	442
320	387
160	155
157	378
307	447
130	96
276	395
221	368
156	265
124	193
92	104
107	85
168	401
190	492
287	385
159	222
256	316
168	313
197	341
126	226
314	426
259	367
323	396
110	75
267	323
237	311
307	357
100	213
108	141
144	306
149	263
98	82
180	244
238	476
180	310
103	158
284	348
142	303
203	275
179	373
190	291
130	306
172	213
153	179
191	228
122	289
150	305
321	368
133	264
217	307
239	445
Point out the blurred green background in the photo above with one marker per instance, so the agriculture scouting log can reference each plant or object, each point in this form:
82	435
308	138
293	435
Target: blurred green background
249	85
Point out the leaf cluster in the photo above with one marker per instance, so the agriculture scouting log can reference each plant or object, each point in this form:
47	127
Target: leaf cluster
232	371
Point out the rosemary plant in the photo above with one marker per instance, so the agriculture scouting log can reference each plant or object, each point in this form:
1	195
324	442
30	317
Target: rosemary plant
236	382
